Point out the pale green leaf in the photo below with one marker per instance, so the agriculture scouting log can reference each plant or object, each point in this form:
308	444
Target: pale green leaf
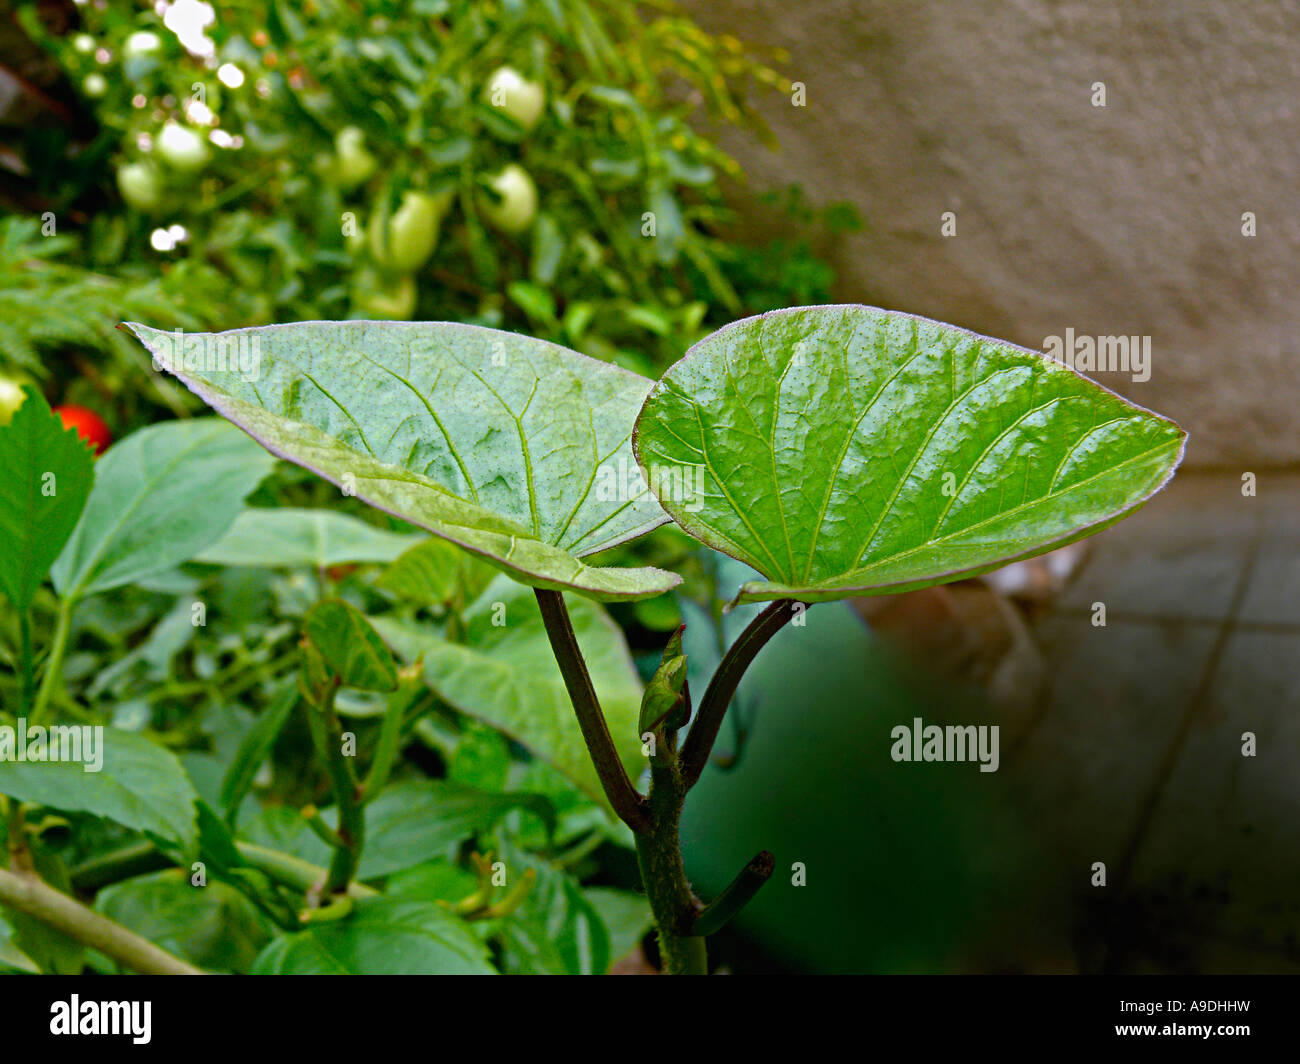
846	450
161	496
516	449
285	537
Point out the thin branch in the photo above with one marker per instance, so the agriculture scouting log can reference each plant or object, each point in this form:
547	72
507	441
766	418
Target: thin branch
630	806
350	833
722	688
714	916
30	895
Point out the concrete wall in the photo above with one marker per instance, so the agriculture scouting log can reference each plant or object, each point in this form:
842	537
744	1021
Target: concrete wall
1123	219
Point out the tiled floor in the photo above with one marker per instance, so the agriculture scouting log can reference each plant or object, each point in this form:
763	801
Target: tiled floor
1135	758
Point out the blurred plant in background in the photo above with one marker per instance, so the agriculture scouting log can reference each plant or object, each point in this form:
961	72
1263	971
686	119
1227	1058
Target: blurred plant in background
538	167
527	166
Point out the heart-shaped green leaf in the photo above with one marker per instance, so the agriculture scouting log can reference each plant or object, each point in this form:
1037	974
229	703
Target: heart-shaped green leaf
846	450
513	448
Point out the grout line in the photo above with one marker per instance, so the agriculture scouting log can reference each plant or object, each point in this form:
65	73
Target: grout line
1195	704
1279	627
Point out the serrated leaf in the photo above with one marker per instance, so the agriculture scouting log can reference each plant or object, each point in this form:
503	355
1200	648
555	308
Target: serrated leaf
139	784
505	675
45	475
383	936
351	649
161	496
285	537
846	450
513	448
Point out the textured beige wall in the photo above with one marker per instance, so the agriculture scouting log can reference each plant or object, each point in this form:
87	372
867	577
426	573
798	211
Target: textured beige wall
1117	220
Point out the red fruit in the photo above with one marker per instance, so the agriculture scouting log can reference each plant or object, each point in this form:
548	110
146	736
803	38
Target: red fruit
89	425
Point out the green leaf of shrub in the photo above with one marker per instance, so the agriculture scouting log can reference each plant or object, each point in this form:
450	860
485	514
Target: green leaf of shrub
626	916
383	936
161	496
505	675
214	926
437	573
46	472
409	823
256	747
285	537
557	930
846	450
516	449
419	820
45	475
351	649
140	785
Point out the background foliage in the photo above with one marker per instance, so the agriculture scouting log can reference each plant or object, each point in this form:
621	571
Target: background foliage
274	224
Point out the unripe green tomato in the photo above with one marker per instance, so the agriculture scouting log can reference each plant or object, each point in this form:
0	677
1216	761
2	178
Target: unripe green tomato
84	43
355	164
385	298
141	43
516	208
182	148
511	92
404	241
11	397
94	86
354	238
140	186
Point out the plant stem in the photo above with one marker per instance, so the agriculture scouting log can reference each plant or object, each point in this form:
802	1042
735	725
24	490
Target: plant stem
628	803
739	893
659	854
722	687
328	733
30	895
656	820
137	858
133	859
54	663
25	659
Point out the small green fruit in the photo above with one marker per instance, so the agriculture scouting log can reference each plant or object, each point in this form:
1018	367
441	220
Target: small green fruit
11	398
182	148
355	164
404	241
516	206
521	99
385	298
140	186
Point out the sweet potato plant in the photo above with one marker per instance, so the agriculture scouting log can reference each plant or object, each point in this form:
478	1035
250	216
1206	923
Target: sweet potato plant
837	450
